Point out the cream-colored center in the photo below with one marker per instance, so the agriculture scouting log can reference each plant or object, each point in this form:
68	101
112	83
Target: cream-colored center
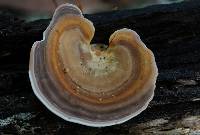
102	64
94	71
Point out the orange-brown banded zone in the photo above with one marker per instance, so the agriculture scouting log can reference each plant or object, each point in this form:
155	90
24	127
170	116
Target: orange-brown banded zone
99	77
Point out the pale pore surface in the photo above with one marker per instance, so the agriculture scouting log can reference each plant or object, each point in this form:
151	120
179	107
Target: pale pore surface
94	71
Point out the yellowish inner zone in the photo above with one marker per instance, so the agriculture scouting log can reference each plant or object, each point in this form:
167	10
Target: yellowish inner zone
94	71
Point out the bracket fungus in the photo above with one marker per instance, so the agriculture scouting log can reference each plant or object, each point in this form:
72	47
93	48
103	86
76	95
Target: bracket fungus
83	83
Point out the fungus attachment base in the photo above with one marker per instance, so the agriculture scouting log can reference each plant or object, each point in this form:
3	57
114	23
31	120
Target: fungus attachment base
97	75
88	84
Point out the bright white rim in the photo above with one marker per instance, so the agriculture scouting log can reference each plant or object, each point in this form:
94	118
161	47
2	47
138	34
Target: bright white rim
66	117
58	112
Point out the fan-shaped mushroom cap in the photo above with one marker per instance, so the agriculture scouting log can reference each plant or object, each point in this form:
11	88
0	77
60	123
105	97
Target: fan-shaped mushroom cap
85	83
